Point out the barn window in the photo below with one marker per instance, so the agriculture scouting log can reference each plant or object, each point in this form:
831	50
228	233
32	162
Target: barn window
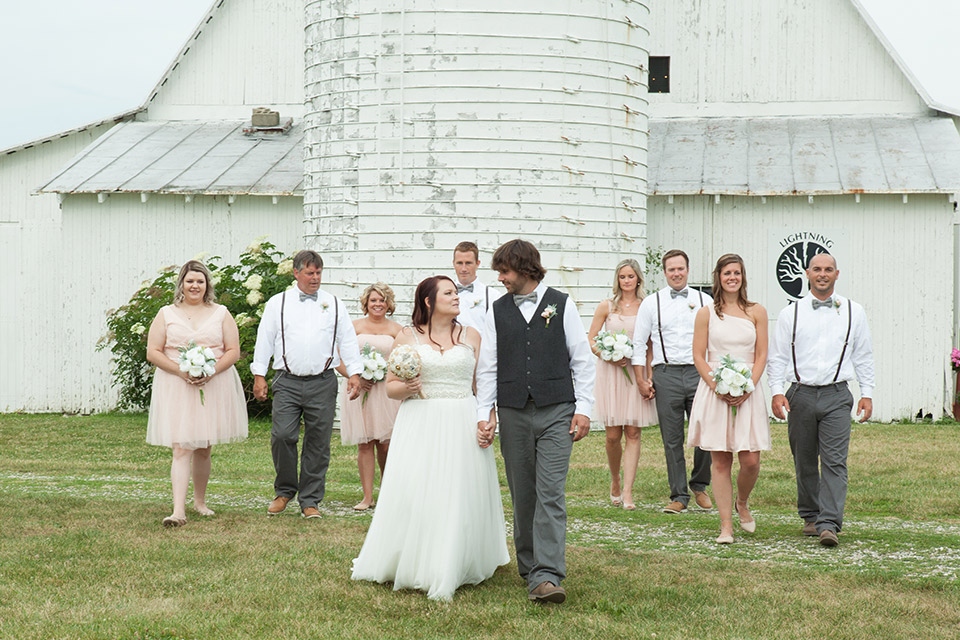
659	74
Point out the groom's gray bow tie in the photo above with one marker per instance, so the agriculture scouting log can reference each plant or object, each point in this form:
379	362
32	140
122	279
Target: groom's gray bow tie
676	294
520	298
465	287
304	296
822	303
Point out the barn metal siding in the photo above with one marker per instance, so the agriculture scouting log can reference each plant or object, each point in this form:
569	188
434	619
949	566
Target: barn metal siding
110	248
899	266
249	53
755	57
430	123
30	273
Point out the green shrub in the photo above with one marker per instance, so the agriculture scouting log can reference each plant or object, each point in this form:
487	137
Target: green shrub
241	294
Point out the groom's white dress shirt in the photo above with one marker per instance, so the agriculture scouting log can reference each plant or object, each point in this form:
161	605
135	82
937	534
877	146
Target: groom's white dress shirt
582	364
819	343
677	315
308	333
474	304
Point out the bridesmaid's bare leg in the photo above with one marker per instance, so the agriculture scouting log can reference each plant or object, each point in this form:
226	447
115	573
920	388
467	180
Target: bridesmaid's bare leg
180	478
382	447
746	480
366	463
614	456
201	475
722	461
631	459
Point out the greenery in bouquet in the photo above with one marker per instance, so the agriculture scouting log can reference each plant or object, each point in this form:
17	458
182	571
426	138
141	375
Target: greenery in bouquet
243	288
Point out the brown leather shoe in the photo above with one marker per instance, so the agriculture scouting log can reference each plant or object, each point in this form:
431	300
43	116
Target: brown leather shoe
702	499
277	506
548	592
675	507
828	538
310	512
809	528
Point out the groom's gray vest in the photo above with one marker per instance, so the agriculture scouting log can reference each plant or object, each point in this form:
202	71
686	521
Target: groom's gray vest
532	359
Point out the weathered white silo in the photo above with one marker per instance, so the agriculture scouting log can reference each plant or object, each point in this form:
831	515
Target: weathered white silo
430	122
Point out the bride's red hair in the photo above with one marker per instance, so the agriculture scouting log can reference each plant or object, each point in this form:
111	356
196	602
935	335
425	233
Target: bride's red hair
425	301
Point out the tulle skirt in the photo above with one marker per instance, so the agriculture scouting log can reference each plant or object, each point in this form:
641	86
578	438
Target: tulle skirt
361	421
618	402
178	417
439	521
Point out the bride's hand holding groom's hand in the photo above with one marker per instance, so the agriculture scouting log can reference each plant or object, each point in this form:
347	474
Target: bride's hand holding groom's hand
486	430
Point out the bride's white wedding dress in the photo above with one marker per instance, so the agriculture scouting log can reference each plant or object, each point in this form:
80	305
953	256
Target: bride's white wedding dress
439	521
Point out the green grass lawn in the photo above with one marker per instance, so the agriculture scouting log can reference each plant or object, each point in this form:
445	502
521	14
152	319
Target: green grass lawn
83	555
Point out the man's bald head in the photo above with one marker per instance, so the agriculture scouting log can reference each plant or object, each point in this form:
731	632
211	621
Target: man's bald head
823	259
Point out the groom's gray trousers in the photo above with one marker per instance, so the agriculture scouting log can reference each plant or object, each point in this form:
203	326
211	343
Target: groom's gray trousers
536	445
818	426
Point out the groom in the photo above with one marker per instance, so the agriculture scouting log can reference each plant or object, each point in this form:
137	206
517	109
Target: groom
535	364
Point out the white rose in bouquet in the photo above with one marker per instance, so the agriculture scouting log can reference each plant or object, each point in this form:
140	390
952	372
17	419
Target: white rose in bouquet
613	347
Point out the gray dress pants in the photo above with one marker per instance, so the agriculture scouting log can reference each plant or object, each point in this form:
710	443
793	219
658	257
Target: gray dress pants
675	386
536	445
314	398
819	427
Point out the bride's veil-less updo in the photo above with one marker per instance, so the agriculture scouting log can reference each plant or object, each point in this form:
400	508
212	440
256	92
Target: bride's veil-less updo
423	313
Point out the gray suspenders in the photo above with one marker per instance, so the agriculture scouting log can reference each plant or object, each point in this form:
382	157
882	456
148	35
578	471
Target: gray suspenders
663	347
846	340
283	334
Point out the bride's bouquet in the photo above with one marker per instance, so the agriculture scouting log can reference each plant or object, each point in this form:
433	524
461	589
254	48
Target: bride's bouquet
197	361
612	347
733	377
405	363
374	367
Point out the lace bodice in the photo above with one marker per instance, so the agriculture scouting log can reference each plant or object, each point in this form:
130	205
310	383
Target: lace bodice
448	374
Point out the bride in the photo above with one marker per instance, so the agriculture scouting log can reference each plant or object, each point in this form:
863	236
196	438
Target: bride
439	520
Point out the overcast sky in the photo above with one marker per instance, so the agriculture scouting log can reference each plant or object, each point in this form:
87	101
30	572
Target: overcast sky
69	63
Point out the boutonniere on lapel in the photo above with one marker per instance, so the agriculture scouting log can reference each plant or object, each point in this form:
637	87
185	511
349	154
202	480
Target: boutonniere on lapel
476	303
548	313
324	306
836	305
691	305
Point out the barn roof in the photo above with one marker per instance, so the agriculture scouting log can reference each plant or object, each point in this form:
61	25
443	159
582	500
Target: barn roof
186	157
793	156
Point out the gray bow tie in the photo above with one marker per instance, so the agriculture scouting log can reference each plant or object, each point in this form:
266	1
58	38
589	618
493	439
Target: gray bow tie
304	296
822	303
465	287
676	294
520	298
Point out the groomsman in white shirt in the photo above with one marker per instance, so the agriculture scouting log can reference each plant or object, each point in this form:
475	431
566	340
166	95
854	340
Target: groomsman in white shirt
667	319
475	297
821	343
306	331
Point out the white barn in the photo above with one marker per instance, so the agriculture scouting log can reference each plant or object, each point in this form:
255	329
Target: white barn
807	132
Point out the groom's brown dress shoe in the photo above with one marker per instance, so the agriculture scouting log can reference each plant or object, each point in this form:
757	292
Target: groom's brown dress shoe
828	538
809	529
277	506
310	512
548	592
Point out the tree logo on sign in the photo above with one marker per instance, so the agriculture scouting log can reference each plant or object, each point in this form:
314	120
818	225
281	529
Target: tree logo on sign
792	264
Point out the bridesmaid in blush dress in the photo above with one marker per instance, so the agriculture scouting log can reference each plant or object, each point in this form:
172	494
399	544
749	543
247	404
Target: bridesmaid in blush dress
725	424
367	420
619	405
179	418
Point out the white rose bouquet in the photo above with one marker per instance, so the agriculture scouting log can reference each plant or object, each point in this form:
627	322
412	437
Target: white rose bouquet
612	347
197	361
404	362
733	377
374	367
